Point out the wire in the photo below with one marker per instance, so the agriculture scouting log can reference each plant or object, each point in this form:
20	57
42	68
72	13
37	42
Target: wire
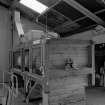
46	24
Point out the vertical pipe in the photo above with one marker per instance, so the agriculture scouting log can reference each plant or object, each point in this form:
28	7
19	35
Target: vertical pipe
30	58
42	42
43	54
12	33
93	64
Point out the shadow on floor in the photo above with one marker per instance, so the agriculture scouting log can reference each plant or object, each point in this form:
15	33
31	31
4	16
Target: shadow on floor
95	96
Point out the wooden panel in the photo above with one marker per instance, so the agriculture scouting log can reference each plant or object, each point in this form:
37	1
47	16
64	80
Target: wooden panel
68	10
59	50
66	88
58	53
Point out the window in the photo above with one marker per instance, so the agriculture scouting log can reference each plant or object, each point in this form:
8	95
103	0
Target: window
34	5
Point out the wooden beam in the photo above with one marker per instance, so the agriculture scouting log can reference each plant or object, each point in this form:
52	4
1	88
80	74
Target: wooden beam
69	41
5	2
79	19
44	25
85	11
69	23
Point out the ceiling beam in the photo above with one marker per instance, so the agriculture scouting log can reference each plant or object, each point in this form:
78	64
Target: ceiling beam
69	23
79	19
69	33
50	8
5	3
85	11
69	20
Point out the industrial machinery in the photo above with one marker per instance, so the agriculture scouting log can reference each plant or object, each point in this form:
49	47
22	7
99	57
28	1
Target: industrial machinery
27	62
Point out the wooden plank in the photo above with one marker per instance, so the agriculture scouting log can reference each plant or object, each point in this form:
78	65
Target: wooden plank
68	41
85	11
30	75
79	19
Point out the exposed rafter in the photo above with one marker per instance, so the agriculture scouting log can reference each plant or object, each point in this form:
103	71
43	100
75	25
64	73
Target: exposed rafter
50	8
69	33
69	23
85	11
49	3
69	20
5	3
79	19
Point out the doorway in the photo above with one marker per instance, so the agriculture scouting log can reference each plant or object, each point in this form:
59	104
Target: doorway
99	60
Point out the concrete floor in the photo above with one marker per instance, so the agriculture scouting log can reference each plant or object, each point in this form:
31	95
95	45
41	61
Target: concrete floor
95	96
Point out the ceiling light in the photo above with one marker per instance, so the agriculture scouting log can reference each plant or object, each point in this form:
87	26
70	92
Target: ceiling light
34	5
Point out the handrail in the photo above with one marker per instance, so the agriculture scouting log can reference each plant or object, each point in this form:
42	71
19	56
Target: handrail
30	75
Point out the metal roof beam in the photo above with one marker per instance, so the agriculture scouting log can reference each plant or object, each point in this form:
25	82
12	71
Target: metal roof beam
85	11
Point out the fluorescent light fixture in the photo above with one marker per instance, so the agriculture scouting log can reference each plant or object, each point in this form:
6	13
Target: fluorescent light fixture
34	5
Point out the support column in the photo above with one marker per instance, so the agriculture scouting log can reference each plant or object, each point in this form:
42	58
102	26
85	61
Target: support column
93	64
43	69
